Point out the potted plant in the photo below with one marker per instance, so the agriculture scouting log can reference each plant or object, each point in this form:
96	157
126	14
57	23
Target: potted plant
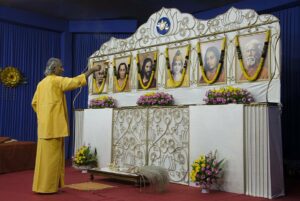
85	159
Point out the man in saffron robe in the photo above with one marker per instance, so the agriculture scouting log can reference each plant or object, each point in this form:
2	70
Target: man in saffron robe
49	103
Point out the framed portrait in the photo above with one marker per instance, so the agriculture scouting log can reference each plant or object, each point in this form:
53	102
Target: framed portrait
100	79
177	69
122	74
211	69
147	73
252	47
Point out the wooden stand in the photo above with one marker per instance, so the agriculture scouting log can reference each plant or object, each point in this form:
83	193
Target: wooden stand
137	179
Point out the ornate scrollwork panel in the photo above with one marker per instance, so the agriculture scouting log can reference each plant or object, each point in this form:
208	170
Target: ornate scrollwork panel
168	141
156	136
129	137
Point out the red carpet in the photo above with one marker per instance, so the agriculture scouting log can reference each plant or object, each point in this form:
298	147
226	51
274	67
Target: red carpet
17	187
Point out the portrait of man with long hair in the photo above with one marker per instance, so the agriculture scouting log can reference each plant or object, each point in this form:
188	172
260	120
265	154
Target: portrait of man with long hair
147	68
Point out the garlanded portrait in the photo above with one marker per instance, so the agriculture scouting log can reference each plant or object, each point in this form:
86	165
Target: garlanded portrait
146	66
100	78
177	63
211	56
252	57
121	74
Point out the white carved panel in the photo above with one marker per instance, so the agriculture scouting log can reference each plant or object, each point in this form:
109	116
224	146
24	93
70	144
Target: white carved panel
129	137
156	136
168	141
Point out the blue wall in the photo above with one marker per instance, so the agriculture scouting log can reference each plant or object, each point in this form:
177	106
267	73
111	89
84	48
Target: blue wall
28	40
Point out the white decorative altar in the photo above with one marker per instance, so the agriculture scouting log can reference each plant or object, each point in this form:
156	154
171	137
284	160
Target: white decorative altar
248	137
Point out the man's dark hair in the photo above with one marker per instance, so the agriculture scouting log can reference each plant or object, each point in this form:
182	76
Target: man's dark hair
143	71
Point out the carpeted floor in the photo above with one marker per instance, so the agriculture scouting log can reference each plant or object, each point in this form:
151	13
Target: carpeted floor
17	187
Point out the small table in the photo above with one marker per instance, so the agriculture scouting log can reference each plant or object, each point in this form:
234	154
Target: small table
137	179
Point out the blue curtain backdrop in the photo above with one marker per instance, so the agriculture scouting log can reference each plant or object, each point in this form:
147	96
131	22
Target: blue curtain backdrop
290	82
28	49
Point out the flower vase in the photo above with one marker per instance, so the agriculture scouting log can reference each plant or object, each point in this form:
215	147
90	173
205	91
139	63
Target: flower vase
204	190
84	169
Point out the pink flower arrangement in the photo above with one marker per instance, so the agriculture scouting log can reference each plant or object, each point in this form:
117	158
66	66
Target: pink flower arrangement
228	95
102	102
159	98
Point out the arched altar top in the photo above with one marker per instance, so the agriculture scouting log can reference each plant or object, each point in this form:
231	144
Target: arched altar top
184	27
170	29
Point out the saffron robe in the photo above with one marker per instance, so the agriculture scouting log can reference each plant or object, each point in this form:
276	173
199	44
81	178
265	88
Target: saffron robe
49	103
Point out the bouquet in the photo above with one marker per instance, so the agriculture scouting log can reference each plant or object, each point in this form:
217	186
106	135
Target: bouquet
206	170
228	95
102	102
152	98
85	157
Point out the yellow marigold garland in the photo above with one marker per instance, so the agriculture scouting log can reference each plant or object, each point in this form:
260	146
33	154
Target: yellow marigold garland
10	76
220	65
152	73
178	83
99	89
121	88
262	58
118	87
149	83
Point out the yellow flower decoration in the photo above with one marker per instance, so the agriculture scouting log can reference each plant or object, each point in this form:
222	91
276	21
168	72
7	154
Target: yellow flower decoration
84	156
101	98
99	89
10	76
149	94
